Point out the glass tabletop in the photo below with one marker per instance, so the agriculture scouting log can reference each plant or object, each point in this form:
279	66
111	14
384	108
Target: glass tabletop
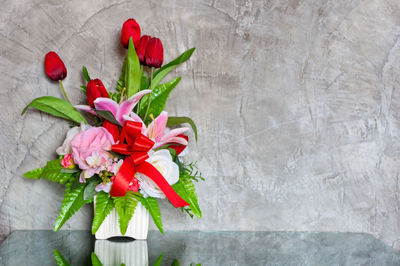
207	248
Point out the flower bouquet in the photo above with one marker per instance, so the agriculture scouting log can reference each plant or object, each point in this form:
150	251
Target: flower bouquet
130	154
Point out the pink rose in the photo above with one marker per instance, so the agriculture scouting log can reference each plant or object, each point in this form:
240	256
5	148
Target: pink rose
90	151
67	162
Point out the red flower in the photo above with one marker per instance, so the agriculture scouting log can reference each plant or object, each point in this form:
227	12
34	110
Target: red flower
112	128
94	90
54	66
141	47
130	28
134	185
179	148
154	53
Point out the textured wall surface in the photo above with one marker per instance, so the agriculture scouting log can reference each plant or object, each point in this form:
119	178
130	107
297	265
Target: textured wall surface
297	104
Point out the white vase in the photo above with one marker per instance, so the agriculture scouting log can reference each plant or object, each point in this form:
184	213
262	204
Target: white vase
137	228
132	253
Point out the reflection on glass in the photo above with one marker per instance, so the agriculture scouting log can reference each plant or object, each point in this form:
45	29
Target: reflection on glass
132	253
119	252
209	248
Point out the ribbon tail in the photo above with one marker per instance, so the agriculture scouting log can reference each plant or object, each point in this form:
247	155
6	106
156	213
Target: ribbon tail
123	178
150	171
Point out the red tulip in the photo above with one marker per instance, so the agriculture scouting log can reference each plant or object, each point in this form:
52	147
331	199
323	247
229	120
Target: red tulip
179	148
94	90
154	53
112	128
141	47
54	66
130	28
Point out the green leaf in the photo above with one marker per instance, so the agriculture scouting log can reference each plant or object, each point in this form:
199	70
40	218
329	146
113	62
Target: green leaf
189	171
85	73
56	107
73	201
115	96
177	120
83	89
95	260
125	207
187	191
73	170
159	260
133	73
173	153
104	205
151	205
54	172
90	191
60	259
144	84
34	174
159	97
107	115
177	61
156	79
121	80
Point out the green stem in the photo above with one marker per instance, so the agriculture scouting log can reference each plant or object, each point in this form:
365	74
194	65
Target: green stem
141	100
65	95
151	88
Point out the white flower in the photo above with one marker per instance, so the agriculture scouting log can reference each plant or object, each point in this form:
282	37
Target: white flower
162	161
115	165
104	187
66	147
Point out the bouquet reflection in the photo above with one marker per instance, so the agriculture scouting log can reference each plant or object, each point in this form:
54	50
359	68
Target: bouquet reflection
118	252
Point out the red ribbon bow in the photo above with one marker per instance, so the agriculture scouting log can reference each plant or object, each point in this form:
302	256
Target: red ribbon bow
137	147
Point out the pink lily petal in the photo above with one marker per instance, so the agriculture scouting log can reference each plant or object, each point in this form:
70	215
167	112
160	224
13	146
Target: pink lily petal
134	117
106	104
81	178
174	132
135	98
86	108
124	109
127	106
156	128
175	140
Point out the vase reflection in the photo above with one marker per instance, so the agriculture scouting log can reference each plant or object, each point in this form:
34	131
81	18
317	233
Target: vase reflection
132	253
117	252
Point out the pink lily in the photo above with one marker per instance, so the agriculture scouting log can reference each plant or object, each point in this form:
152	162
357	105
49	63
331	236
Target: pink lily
156	130
118	110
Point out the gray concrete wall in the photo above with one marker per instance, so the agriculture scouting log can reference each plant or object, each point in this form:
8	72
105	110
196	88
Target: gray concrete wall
297	105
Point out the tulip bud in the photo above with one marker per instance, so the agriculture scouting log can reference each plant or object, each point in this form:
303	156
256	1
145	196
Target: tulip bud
179	148
94	90
141	48
130	28
54	66
154	53
112	128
